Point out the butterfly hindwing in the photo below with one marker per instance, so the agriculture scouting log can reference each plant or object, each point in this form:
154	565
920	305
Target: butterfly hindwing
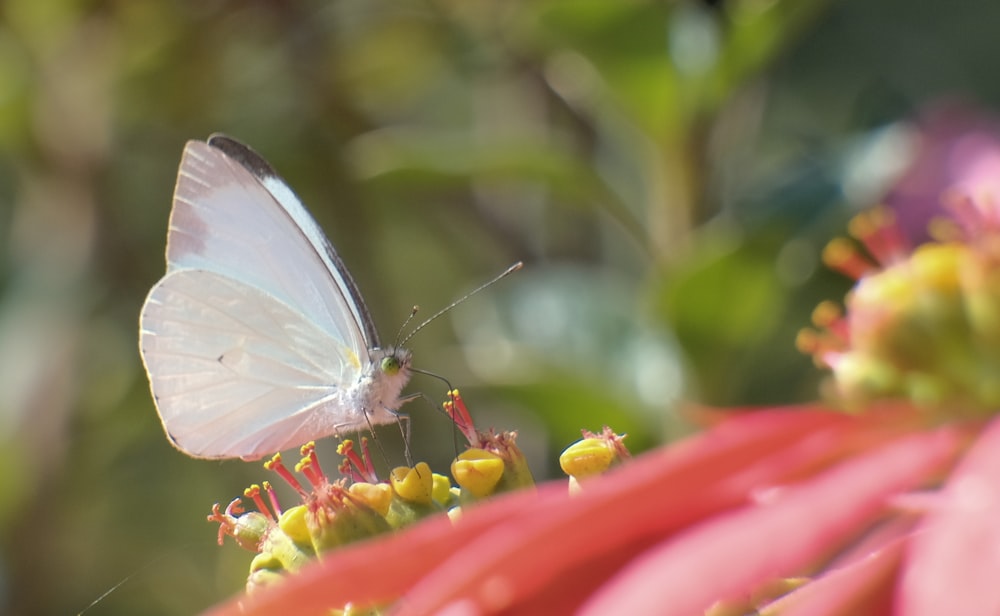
238	373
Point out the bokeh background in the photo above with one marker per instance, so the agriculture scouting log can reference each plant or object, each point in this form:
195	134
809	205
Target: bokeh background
668	172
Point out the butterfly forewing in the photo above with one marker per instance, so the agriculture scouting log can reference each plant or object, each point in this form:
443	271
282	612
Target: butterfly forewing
225	220
267	176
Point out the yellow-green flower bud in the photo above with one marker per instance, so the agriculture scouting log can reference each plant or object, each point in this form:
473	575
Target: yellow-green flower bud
403	512
378	496
414	495
342	523
262	577
587	457
250	530
266	561
415	484
592	455
293	523
516	474
478	472
442	492
289	543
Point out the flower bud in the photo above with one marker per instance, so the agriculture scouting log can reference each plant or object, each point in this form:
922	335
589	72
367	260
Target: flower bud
413	484
378	496
414	491
592	455
442	492
478	472
347	520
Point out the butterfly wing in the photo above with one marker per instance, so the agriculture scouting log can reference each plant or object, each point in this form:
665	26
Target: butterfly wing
234	371
257	324
232	214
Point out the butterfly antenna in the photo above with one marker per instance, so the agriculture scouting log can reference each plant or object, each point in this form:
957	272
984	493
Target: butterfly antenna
504	274
399	334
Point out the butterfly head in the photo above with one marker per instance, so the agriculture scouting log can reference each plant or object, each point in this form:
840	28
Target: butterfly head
394	360
390	371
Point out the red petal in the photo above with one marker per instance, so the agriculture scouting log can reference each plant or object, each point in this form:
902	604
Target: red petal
730	556
952	566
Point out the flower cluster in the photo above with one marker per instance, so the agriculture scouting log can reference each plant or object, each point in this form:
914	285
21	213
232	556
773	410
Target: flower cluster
921	324
335	513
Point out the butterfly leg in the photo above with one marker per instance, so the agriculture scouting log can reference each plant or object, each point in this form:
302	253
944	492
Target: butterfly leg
402	418
378	443
439	408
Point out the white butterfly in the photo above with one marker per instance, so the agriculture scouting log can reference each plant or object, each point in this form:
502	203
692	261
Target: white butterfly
257	339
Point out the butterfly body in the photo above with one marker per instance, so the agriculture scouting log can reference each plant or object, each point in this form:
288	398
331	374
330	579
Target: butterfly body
257	338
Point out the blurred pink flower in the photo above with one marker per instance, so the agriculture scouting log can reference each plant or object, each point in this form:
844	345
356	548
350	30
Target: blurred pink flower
958	150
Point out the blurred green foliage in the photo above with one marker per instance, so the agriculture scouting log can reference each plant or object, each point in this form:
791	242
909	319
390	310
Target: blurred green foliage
667	170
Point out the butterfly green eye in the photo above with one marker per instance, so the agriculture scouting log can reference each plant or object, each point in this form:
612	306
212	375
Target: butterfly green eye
390	365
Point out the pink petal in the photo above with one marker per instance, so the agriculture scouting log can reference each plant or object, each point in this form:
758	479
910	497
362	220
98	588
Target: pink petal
732	555
862	586
952	566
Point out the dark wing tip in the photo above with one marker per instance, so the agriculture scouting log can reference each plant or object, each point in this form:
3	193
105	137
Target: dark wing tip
243	154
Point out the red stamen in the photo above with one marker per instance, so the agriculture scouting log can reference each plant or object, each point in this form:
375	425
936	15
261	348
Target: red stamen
347	470
459	413
840	333
273	498
825	313
881	236
963	210
217	516
824	347
253	493
234	508
227	519
275	464
808	341
828	315
309	450
357	467
841	255
346	449
977	215
305	467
